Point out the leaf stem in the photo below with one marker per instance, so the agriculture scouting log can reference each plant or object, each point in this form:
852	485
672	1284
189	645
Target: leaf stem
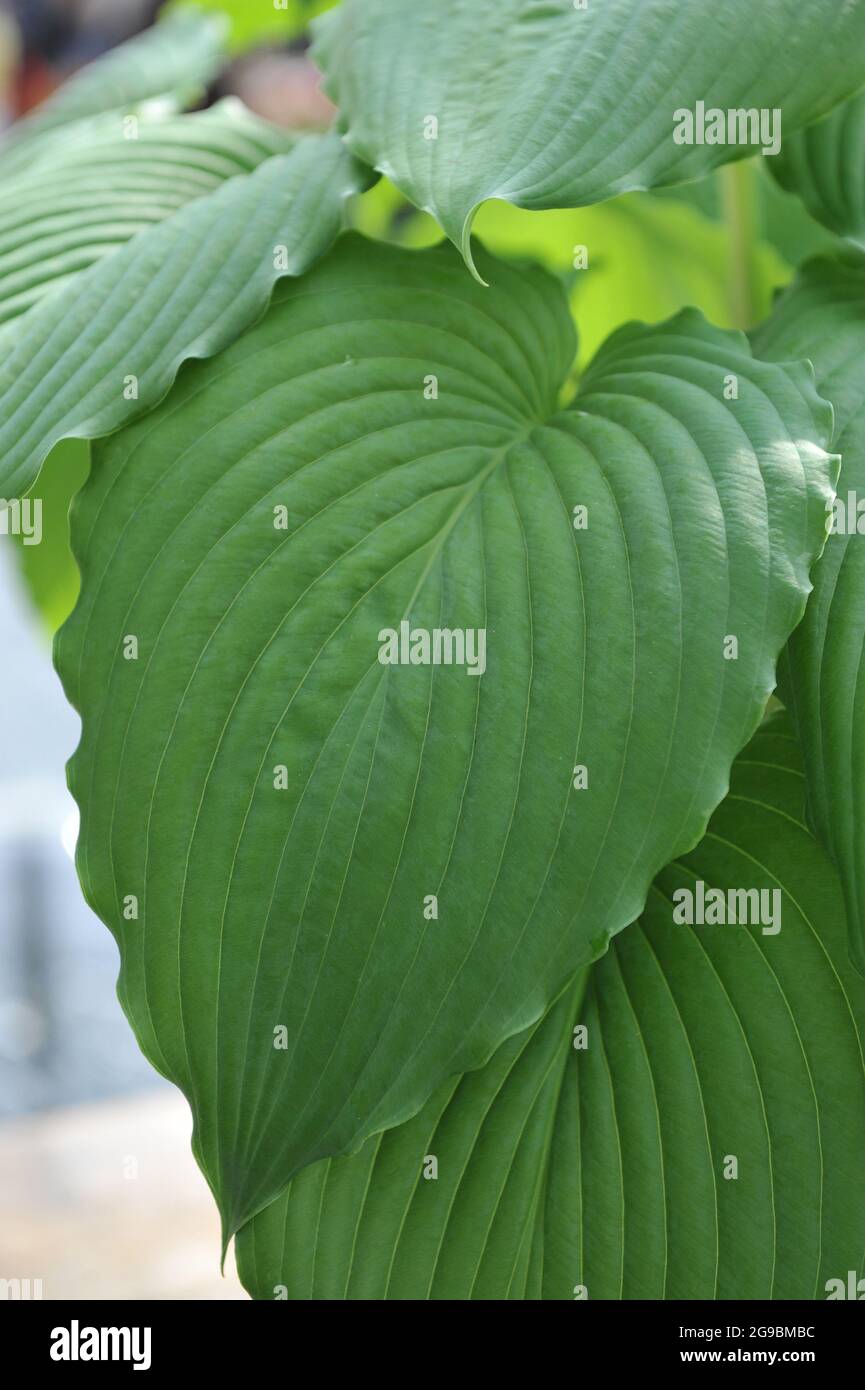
737	184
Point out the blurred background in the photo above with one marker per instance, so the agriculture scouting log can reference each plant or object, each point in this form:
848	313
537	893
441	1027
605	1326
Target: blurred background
99	1194
46	41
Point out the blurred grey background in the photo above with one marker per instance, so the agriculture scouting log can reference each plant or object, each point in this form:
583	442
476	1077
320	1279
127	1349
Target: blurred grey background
63	1038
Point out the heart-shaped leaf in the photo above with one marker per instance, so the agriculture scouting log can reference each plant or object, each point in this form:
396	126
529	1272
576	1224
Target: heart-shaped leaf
336	881
546	103
825	165
109	179
703	1141
107	346
824	682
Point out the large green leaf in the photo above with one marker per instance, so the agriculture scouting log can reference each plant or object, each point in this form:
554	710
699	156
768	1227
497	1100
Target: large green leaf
91	192
824	314
605	1167
108	345
546	104
281	804
175	58
825	165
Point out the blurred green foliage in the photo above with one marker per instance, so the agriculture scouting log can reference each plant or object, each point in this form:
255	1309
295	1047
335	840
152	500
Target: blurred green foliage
256	22
49	570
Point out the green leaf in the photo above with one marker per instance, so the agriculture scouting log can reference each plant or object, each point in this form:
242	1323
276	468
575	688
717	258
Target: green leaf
108	345
175	58
108	180
543	104
604	1167
825	165
282	805
824	683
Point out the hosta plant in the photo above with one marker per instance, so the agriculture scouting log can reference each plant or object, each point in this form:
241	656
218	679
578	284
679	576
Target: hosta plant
471	768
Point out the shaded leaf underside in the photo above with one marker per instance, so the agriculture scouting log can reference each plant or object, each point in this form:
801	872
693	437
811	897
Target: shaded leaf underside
825	166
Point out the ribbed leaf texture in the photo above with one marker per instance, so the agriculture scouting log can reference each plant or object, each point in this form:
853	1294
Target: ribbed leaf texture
175	59
336	882
546	104
825	166
823	678
107	346
608	1172
111	177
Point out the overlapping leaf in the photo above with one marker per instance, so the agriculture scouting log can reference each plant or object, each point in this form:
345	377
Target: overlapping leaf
111	178
547	104
824	314
175	58
647	258
608	1169
825	165
108	345
392	864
